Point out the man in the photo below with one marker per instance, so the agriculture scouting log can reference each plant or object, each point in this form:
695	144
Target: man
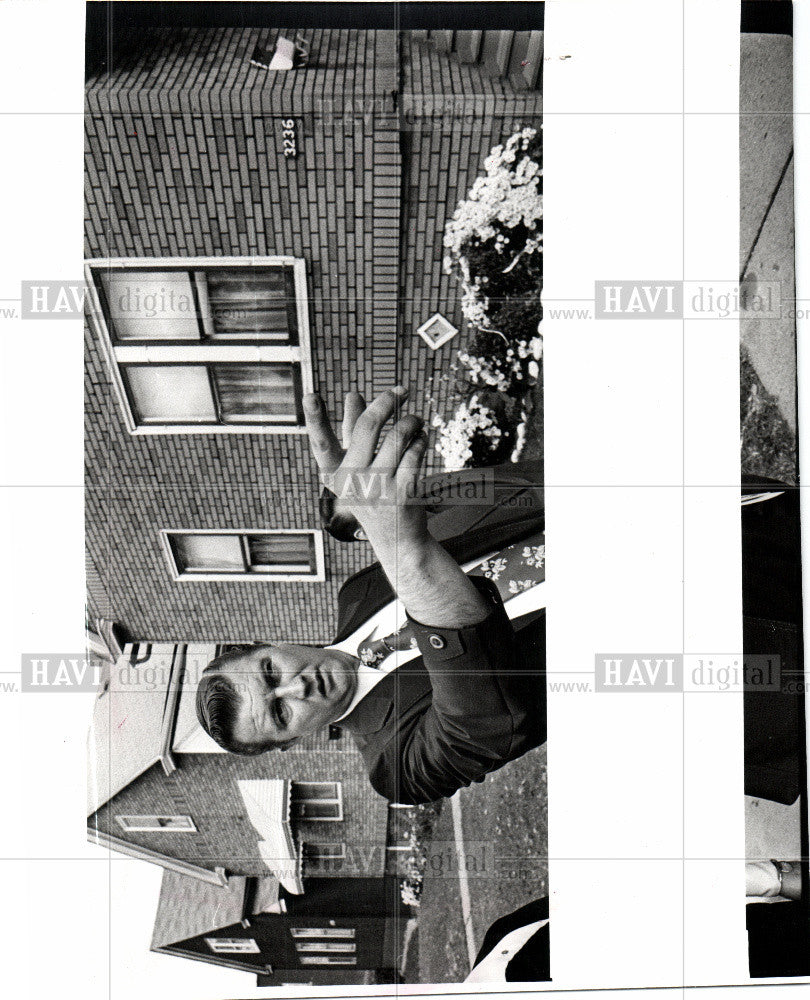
452	689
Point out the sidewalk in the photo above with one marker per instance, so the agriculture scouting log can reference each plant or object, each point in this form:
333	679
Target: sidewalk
512	844
766	223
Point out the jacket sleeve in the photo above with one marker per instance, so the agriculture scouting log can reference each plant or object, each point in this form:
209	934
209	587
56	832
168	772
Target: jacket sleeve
467	730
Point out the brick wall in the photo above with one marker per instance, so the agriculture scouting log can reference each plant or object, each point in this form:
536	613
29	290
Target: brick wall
452	115
204	787
183	159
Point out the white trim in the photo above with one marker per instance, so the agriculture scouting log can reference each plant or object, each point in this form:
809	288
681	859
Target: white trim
111	842
300	354
319	576
434	343
327	960
326	947
140	823
313	933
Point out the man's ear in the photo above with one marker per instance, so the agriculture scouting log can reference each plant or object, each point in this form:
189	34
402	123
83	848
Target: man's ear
360	535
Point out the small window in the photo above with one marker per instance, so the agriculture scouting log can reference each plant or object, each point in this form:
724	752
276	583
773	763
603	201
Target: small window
205	345
285	554
323	932
328	960
232	946
335	947
316	800
156	824
323	857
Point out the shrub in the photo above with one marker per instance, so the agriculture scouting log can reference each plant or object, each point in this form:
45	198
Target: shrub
494	239
423	819
494	249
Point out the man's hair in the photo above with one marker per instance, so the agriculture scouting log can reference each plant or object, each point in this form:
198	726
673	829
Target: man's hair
217	704
340	526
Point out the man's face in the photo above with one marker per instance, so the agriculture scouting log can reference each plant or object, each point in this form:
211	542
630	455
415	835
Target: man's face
286	692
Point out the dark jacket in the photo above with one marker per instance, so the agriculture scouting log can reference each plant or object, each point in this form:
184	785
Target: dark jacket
474	700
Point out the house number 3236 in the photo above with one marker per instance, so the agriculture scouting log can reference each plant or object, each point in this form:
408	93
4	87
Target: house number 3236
288	137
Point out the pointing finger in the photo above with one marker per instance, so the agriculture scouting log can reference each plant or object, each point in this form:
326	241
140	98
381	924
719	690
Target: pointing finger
353	406
410	467
325	446
368	426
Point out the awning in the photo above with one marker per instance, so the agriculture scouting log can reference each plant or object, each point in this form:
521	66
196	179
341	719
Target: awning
268	806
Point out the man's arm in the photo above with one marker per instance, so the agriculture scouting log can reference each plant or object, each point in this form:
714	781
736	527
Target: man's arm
377	487
485	709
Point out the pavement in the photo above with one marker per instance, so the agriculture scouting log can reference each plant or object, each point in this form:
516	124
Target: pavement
767	254
766	217
496	834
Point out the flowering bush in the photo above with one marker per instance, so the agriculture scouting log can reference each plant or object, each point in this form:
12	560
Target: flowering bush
507	367
469	437
494	239
494	249
422	822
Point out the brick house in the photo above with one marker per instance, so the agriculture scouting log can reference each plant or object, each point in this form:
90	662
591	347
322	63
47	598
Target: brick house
161	787
324	937
201	510
251	235
301	833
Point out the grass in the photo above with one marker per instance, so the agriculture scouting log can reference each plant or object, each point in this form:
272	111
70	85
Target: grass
767	444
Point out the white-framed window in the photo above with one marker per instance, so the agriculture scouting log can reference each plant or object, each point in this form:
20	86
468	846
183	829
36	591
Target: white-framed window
215	554
330	947
156	824
232	946
328	960
316	800
204	344
323	932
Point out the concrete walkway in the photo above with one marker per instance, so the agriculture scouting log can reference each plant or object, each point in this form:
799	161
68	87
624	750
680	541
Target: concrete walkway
766	224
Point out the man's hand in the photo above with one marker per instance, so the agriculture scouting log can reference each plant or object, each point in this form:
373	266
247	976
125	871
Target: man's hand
375	486
378	487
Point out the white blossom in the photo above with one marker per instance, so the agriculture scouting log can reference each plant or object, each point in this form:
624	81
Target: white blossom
456	434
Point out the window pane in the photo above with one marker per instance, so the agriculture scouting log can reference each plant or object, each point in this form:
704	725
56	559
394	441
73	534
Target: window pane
314	790
170	394
232	945
337	947
156	823
316	810
282	553
151	305
257	393
327	932
328	960
208	553
254	302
